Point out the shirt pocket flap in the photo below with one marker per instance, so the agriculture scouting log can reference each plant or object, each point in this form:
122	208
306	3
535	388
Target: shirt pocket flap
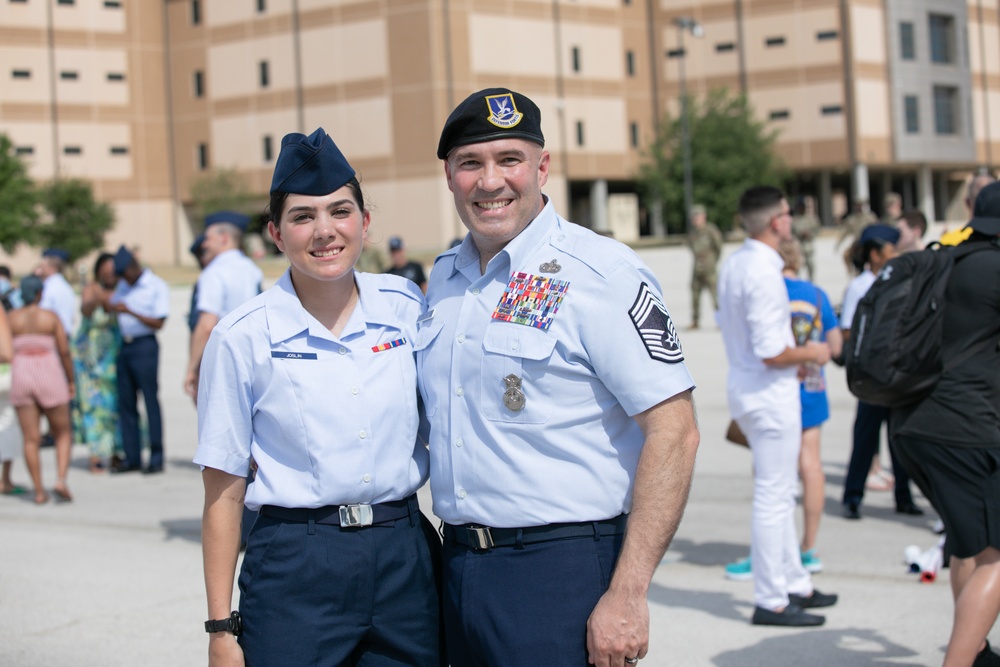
519	341
426	335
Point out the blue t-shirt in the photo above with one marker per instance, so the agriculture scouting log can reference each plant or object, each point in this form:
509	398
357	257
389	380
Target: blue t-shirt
812	317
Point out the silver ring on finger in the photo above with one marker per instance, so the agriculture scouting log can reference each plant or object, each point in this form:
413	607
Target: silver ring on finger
632	661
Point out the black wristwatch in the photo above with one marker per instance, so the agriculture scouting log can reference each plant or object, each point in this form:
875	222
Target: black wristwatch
233	624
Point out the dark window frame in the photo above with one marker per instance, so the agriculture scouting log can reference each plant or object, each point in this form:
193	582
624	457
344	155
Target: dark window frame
195	12
72	150
576	59
580	133
119	150
198	83
268	147
20	74
907	41
911	114
941	31
825	35
264	74
201	156
947	116
725	47
770	42
779	114
116	76
630	62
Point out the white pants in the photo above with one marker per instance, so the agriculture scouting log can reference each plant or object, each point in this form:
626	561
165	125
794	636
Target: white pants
775	437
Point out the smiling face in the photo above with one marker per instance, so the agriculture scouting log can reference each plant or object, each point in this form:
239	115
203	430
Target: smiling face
322	236
497	187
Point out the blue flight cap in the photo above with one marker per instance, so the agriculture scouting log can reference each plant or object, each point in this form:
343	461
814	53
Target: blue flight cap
880	234
395	243
196	248
489	115
123	259
58	253
241	220
310	165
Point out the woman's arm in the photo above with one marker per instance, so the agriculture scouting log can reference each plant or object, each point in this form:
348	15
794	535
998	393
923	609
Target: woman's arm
220	539
62	346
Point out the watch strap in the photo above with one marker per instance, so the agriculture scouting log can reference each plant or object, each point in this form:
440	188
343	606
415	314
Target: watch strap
231	624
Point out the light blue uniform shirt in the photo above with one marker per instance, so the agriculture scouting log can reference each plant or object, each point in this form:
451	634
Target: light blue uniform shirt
329	420
587	364
59	297
230	279
150	297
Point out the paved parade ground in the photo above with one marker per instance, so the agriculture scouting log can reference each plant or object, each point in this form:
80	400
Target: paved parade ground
114	578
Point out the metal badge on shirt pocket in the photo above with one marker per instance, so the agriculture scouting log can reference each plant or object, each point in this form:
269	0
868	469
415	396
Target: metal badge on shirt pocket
515	386
531	300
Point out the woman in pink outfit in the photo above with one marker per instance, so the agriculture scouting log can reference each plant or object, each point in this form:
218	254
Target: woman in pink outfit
41	383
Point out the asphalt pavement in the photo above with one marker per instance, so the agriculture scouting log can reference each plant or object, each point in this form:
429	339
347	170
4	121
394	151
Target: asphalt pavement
114	578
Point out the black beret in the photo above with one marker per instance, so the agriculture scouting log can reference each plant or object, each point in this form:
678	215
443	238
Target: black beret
232	217
489	115
310	165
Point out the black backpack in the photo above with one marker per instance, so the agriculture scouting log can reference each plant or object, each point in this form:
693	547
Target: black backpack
894	355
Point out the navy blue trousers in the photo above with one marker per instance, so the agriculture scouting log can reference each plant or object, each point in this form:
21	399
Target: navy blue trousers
138	371
525	605
867	429
324	596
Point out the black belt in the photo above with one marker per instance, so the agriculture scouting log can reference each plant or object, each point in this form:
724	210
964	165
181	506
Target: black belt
347	516
483	537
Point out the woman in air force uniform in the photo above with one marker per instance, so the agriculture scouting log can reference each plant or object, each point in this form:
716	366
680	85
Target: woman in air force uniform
314	383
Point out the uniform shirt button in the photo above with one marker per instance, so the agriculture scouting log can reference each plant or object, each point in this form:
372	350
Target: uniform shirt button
459	392
367	478
461	338
462	494
459	443
514	345
355	390
362	435
343	350
475	291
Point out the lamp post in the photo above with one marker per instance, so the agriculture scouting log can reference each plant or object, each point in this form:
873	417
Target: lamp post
685	24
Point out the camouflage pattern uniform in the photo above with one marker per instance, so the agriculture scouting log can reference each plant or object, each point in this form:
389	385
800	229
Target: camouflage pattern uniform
371	260
805	228
706	244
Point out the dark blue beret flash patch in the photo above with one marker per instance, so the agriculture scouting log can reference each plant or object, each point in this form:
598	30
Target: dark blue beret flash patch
658	334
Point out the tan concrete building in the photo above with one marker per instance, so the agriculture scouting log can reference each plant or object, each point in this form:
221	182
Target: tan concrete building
145	96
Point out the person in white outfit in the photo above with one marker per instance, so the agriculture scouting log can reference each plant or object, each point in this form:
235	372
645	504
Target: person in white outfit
763	397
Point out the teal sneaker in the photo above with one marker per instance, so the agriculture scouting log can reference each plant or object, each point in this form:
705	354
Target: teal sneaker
739	570
811	561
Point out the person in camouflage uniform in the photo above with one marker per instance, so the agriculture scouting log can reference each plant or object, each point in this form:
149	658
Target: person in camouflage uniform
371	260
861	216
805	228
705	241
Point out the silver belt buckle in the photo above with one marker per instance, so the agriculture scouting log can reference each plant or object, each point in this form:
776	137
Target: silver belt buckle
127	339
481	537
355	516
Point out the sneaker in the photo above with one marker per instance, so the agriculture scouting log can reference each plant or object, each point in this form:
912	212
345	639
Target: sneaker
739	570
811	561
791	616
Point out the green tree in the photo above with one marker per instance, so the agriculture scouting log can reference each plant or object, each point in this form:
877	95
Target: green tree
730	151
18	213
220	190
76	221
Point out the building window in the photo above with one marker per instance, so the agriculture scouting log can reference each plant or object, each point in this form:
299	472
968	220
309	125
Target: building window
723	47
195	12
831	110
907	45
265	78
24	150
630	63
825	35
946	110
579	133
202	157
911	109
112	4
18	2
942	37
119	150
780	114
774	41
261	6
21	73
69	76
65	2
199	83
268	148
116	76
634	132
72	150
576	58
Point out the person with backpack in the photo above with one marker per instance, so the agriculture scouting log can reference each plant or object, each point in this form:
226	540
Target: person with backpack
950	438
878	246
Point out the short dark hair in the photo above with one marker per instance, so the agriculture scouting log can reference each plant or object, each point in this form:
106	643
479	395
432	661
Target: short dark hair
757	207
915	220
276	205
103	257
5	271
